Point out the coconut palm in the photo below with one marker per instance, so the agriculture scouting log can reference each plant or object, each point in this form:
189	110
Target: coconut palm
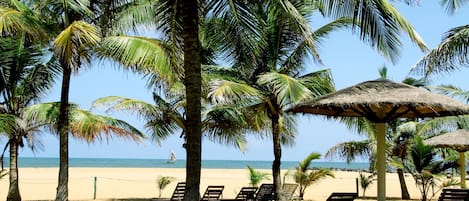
24	80
282	21
305	176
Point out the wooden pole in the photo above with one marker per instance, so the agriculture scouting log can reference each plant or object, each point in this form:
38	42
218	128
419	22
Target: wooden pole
94	192
381	160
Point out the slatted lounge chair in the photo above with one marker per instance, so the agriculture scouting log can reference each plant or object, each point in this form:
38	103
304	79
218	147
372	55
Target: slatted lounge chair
213	193
246	193
454	194
289	191
265	193
178	193
336	196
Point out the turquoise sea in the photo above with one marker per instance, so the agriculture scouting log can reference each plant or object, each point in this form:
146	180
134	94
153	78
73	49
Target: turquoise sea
163	163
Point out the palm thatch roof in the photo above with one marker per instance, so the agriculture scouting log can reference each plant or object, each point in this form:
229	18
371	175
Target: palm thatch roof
457	140
383	100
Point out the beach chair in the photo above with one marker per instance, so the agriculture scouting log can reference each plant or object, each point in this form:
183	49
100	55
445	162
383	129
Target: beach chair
246	193
454	194
289	191
213	193
265	193
341	196
178	193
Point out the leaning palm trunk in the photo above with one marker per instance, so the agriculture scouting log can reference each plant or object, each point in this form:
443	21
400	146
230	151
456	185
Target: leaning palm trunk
277	157
62	188
192	82
404	192
14	190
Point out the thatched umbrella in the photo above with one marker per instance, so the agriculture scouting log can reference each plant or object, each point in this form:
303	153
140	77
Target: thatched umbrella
457	140
382	101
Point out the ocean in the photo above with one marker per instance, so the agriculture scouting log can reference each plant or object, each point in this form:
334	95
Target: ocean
163	163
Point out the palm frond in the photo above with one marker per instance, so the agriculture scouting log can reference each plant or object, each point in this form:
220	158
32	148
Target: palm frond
141	54
287	89
20	19
448	56
226	125
452	6
452	91
379	22
350	150
87	126
74	41
223	91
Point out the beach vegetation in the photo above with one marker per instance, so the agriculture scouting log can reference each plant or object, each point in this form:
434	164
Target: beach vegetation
255	176
425	168
365	181
305	175
26	77
162	182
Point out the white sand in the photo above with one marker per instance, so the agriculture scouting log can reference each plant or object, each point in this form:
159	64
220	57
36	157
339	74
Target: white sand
41	183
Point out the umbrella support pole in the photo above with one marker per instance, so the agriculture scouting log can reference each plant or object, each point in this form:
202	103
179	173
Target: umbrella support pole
381	160
462	167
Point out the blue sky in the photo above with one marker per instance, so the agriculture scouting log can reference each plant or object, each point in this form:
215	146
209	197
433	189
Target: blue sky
350	60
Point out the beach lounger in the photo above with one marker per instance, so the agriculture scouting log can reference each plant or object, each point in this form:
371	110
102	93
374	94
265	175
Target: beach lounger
213	193
265	193
178	193
246	193
289	191
336	196
454	194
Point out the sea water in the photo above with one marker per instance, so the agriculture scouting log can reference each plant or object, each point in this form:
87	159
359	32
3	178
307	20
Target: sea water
164	163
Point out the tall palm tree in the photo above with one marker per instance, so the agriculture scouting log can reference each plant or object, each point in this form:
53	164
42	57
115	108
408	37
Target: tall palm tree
286	22
24	80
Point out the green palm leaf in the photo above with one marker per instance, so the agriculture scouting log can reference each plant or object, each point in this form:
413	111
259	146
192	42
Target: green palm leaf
287	89
141	54
224	91
72	43
21	19
83	124
379	22
448	56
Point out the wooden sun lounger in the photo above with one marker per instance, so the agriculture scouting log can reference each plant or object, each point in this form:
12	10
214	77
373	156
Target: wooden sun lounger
342	196
265	193
213	193
454	194
178	193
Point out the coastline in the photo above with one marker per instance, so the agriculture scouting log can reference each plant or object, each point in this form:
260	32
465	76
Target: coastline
121	183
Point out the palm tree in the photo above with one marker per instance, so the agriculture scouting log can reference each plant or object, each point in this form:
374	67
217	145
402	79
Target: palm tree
265	50
424	167
255	177
24	80
305	176
162	182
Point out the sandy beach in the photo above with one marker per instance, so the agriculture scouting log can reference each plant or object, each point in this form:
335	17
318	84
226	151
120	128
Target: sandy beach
40	183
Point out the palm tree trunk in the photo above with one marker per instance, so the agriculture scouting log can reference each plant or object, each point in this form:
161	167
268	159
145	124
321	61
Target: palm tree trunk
192	82
277	157
14	190
62	188
404	192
